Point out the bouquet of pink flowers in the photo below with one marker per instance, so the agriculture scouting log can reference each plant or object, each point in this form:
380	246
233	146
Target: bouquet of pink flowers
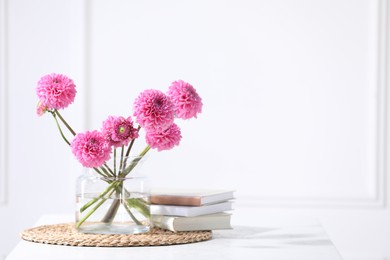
153	110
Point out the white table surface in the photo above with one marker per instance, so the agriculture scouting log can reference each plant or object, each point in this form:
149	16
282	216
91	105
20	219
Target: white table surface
269	239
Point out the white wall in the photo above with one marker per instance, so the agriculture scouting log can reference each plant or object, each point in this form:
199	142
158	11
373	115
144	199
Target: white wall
37	171
295	104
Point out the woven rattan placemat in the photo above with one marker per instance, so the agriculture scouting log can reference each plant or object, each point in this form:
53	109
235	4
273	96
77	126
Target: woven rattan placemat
66	234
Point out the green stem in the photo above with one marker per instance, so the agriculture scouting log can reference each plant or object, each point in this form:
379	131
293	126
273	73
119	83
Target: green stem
92	211
128	151
65	123
108	169
127	207
107	174
102	174
146	149
115	162
131	144
134	163
111	212
121	162
91	202
59	128
141	205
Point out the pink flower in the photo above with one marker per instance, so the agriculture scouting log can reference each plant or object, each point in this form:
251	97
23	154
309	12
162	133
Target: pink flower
91	149
153	109
187	102
41	109
164	139
119	131
56	91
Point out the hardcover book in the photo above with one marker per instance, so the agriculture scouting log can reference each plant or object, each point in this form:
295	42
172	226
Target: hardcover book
206	222
190	211
189	197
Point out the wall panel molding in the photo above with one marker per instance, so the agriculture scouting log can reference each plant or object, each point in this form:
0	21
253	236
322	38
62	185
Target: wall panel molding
383	99
3	100
379	171
86	8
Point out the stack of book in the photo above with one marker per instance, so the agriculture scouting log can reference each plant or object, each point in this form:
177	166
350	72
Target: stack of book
190	210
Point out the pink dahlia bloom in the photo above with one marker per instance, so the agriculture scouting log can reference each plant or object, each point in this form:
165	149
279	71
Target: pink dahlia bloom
153	110
91	149
119	131
187	102
41	109
164	139
56	91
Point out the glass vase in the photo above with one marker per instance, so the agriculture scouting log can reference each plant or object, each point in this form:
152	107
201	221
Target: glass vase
113	199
